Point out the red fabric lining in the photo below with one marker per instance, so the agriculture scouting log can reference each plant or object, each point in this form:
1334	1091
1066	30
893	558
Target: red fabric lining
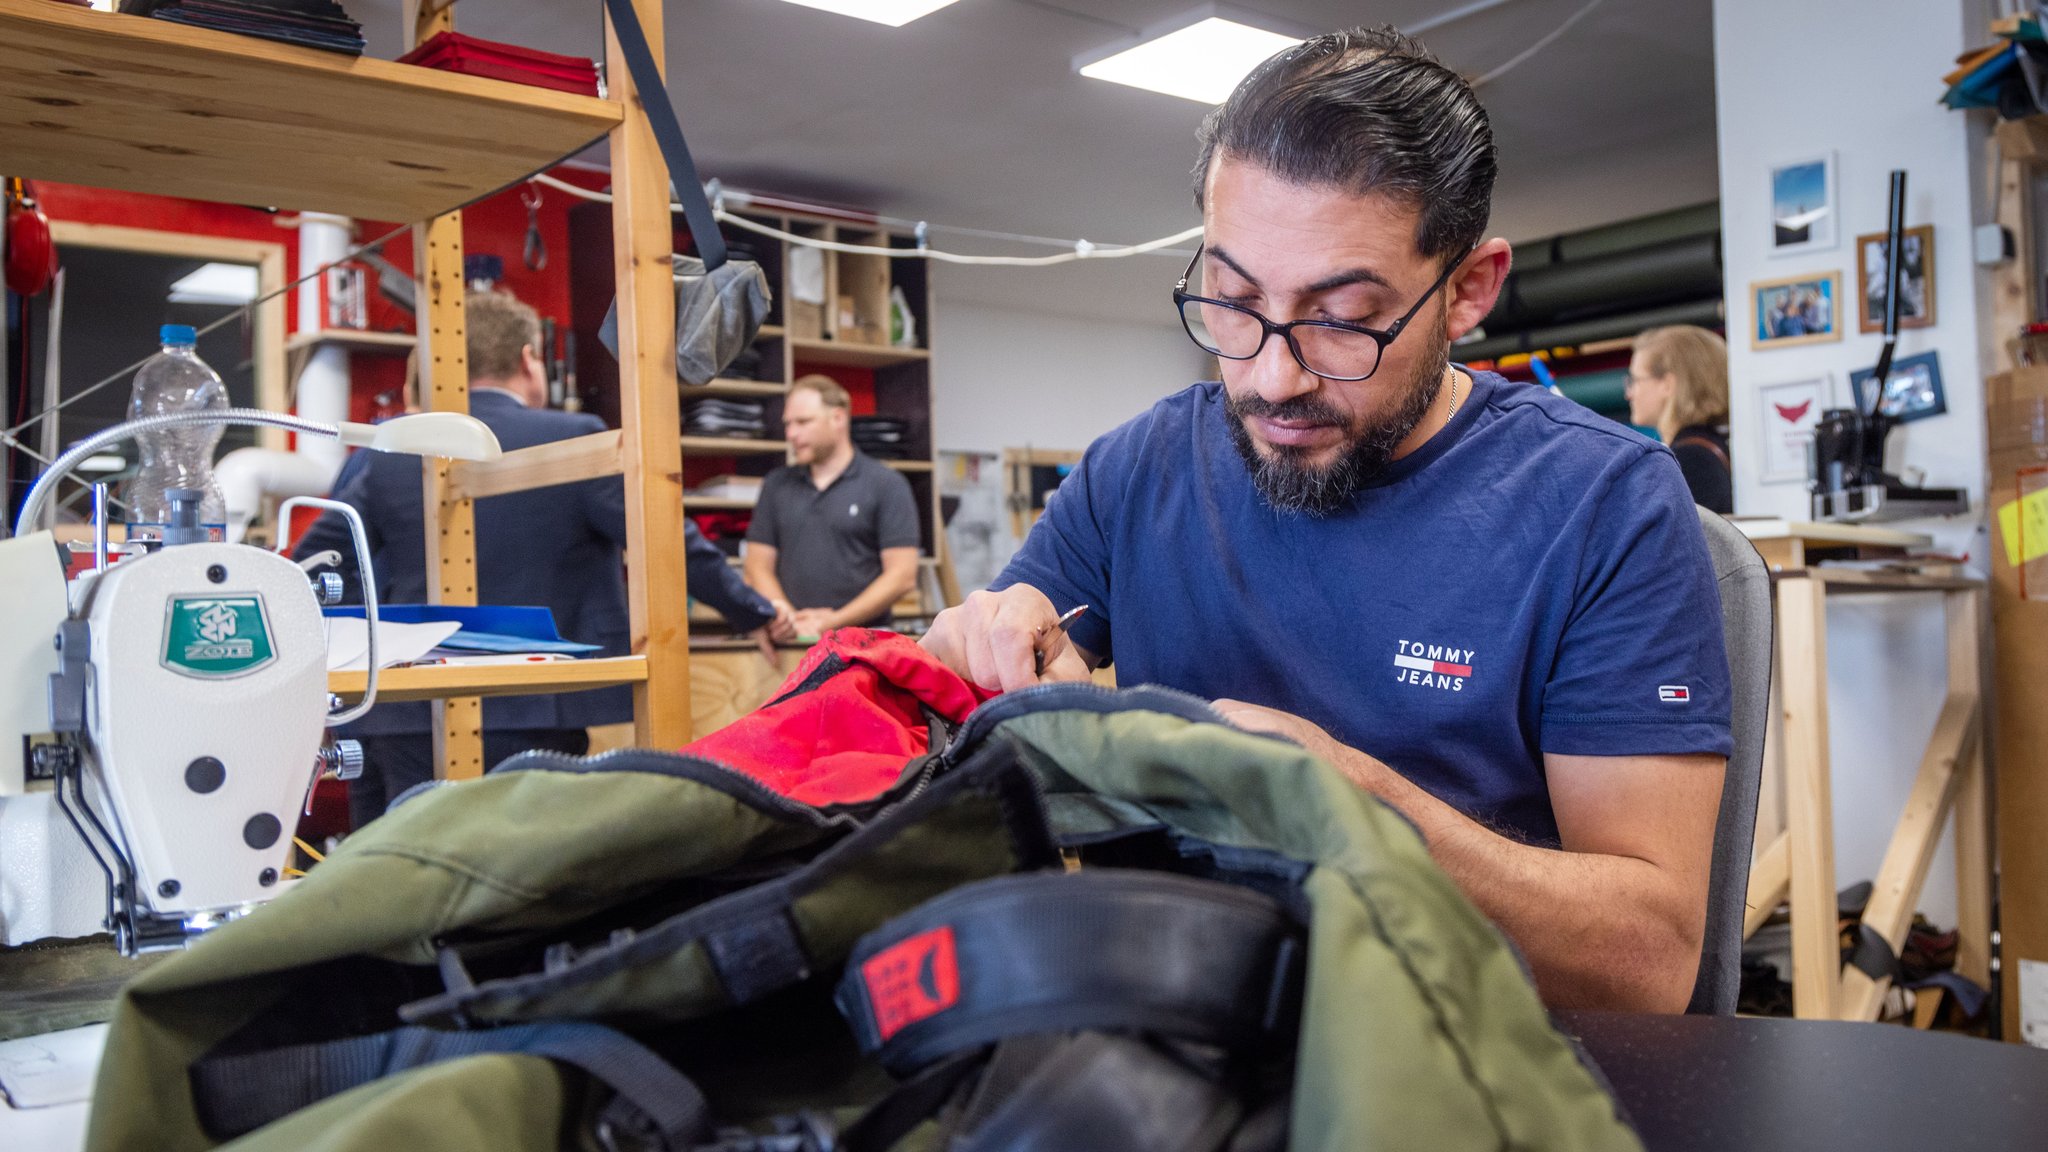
847	739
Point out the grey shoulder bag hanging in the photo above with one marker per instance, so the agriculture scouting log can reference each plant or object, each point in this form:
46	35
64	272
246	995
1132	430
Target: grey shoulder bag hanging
720	301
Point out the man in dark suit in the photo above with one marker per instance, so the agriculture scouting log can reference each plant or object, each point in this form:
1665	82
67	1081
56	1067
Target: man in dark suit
558	546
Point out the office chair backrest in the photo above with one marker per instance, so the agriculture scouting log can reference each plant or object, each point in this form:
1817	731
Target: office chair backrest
1745	586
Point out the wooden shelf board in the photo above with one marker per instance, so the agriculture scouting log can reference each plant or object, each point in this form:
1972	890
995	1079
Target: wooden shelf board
723	387
771	332
854	355
726	446
716	504
145	105
435	681
910	465
353	340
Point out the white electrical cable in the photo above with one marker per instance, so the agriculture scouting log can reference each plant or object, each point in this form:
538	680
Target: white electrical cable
1539	45
1082	249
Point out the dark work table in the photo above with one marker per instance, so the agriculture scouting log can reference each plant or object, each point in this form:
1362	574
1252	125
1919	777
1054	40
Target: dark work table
1721	1084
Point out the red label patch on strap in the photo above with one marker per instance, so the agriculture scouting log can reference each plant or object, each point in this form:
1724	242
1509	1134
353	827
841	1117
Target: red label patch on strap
912	979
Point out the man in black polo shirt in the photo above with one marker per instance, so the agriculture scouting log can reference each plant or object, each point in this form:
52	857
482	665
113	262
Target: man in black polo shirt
834	538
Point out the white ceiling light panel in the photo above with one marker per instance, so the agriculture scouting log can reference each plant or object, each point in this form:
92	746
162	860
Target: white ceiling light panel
894	13
1200	57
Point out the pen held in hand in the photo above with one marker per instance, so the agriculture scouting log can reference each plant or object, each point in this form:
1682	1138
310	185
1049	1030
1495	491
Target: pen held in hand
1061	625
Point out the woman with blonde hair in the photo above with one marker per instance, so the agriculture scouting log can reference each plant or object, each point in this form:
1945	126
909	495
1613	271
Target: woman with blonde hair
1678	384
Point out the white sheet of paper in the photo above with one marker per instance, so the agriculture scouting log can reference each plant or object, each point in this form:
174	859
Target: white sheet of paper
54	1068
348	642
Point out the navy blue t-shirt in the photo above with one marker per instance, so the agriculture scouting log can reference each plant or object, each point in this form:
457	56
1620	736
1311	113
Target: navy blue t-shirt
1531	580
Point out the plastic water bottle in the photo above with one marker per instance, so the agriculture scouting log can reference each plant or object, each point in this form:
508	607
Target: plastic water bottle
175	380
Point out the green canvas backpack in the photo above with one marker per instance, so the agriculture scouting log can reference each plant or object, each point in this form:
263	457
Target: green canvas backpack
1094	920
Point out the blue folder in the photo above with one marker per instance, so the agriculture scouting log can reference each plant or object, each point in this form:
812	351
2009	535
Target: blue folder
484	627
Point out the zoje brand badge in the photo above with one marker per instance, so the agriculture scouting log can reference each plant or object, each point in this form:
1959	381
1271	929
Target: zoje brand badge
216	636
1433	666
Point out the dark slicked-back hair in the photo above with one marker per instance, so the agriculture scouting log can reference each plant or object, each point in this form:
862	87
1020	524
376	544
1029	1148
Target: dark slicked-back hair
1369	110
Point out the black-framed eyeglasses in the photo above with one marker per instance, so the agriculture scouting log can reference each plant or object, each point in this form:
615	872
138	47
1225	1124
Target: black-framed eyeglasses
1330	349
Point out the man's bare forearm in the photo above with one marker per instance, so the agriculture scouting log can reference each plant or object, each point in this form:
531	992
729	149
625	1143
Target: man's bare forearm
1597	930
875	599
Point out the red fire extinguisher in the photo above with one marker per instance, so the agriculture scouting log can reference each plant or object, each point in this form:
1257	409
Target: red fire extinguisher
31	254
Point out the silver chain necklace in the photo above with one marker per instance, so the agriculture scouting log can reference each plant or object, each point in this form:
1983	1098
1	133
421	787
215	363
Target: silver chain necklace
1454	398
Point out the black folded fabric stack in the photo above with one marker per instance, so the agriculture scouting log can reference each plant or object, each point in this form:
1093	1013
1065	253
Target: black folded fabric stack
308	23
737	419
881	437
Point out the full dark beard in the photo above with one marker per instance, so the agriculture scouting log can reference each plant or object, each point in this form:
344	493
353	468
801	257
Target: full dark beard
1283	475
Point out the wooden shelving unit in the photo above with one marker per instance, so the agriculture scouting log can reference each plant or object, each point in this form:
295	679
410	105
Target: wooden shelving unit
437	681
730	446
852	355
300	346
132	103
741	388
146	105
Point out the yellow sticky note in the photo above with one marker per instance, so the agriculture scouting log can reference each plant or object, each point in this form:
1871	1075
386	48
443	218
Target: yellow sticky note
2030	537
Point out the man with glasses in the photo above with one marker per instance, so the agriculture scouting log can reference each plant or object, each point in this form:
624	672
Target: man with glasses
1488	606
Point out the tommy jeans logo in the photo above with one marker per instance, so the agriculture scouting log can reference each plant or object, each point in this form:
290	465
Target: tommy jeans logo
1674	693
1436	666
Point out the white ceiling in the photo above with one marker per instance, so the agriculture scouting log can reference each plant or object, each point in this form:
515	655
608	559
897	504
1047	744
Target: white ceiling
974	116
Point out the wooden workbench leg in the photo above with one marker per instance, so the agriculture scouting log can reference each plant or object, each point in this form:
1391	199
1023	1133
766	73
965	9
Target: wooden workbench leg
1972	807
1809	803
657	602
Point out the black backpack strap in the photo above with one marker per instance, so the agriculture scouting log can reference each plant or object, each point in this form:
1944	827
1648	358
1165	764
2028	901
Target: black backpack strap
981	819
661	118
1108	949
237	1094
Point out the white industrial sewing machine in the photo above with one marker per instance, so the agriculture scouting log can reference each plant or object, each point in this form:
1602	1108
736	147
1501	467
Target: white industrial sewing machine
163	716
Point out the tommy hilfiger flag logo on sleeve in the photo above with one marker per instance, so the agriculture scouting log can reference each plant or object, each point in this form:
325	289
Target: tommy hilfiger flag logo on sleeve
1432	666
1674	693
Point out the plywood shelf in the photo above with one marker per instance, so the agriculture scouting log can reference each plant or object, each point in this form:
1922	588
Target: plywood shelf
724	387
716	504
729	446
851	355
352	339
152	106
435	681
910	465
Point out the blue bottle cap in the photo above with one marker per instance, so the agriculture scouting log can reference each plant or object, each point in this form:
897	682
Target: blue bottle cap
178	334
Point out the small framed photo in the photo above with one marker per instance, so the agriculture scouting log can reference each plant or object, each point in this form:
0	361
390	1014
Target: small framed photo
1913	392
1916	279
1789	411
1803	206
1796	310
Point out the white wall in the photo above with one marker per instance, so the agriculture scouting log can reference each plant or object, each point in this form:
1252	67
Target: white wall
1860	78
1007	378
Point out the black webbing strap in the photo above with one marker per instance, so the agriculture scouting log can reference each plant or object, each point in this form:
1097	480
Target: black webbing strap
750	937
1112	949
661	117
237	1094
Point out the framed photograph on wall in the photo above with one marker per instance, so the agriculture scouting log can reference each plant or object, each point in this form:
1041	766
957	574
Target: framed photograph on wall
1912	393
1796	310
1916	279
1803	206
1789	411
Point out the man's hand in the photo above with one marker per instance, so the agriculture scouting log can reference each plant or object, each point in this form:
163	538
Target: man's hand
766	643
782	629
1259	718
813	621
1614	919
993	638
